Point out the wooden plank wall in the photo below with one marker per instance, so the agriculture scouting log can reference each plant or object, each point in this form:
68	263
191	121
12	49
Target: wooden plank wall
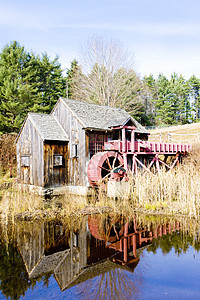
55	175
75	260
77	135
30	240
31	144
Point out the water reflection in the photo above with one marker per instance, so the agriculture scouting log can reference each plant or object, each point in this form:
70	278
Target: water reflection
99	246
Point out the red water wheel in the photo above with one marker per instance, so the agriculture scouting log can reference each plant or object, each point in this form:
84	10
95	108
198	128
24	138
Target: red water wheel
101	166
109	229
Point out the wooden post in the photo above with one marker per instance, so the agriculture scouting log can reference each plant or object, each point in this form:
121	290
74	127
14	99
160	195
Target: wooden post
125	161
157	164
134	245
132	141
126	243
136	170
140	238
123	139
124	147
165	230
133	164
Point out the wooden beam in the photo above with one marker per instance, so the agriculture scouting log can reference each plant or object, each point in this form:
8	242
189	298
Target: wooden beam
143	165
123	140
132	140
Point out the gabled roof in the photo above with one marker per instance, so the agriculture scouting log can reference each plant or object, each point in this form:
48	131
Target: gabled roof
93	116
47	126
92	271
47	263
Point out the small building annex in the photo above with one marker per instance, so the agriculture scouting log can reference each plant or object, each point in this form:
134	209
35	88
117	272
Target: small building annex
55	149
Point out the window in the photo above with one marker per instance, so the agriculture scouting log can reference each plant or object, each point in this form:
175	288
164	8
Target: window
74	150
96	142
58	160
25	161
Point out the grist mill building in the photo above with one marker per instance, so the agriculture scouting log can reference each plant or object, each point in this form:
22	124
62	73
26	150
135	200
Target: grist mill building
55	150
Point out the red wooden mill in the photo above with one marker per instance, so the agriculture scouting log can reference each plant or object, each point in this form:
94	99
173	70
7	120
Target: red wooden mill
125	236
131	153
80	144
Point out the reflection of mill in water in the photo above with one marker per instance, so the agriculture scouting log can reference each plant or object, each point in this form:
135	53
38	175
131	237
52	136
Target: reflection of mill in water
126	237
75	256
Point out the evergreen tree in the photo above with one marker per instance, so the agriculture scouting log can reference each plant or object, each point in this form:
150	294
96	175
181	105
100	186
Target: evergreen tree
194	84
72	74
150	97
14	280
18	93
27	83
181	106
167	101
164	103
52	84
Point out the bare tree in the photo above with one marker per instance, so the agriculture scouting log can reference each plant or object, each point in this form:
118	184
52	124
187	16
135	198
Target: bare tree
107	77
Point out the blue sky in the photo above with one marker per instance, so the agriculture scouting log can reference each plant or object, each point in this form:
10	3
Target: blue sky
163	35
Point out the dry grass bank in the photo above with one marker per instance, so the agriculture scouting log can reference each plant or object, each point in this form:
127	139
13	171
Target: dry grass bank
14	201
187	128
174	192
19	204
171	193
181	133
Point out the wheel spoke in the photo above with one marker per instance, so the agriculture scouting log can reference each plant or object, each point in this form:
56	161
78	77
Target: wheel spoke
104	168
106	176
107	159
113	165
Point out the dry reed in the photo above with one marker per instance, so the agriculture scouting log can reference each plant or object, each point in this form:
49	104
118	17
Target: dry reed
173	192
16	201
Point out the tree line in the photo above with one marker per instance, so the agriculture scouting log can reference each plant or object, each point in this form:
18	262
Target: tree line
32	82
28	82
171	101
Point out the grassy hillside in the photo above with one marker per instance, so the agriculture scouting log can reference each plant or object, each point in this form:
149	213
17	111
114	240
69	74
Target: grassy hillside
189	133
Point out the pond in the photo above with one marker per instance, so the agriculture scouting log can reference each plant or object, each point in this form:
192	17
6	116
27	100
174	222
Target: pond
100	257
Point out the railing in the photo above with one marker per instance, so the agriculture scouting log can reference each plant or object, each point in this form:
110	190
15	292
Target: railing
113	145
147	147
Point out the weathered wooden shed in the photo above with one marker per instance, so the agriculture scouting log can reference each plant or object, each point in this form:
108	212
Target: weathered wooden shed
42	152
55	150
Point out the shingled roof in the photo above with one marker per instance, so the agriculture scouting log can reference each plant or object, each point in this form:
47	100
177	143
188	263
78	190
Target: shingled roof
47	126
98	116
47	264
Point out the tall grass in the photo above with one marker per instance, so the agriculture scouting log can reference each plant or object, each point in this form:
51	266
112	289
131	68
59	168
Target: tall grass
20	203
16	201
173	192
178	190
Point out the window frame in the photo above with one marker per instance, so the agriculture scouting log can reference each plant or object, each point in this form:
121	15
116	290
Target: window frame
25	161
61	163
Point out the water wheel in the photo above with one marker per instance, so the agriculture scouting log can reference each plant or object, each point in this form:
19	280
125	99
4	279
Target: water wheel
101	165
107	228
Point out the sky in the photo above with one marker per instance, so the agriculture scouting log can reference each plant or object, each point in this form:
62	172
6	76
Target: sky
164	36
